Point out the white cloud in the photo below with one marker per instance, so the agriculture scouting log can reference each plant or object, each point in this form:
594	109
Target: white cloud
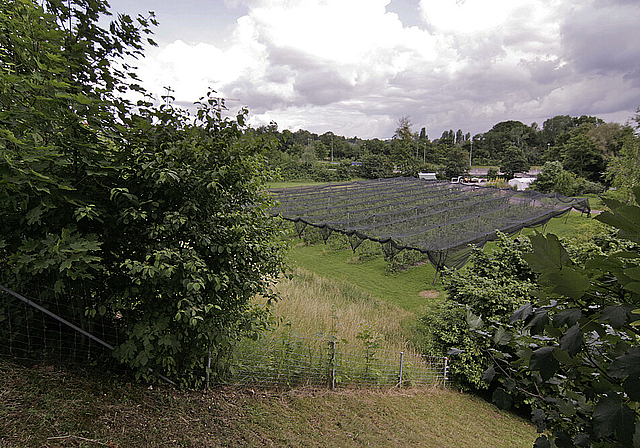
351	67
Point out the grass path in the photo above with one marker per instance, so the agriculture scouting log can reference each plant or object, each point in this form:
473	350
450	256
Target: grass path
46	407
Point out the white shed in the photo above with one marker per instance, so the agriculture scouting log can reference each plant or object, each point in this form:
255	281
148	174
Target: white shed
427	176
521	183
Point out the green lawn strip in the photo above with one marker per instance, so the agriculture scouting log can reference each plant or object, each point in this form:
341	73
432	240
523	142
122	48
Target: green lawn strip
293	183
303	183
45	407
402	288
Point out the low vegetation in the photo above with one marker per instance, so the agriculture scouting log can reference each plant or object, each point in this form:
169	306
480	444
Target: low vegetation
315	306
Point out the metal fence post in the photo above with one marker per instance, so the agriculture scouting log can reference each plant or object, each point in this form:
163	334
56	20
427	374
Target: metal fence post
446	372
208	366
333	365
401	366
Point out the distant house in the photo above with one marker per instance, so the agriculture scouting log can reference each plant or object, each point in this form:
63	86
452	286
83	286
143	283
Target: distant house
427	176
521	183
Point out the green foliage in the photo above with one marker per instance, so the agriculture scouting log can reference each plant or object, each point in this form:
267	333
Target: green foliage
577	353
514	161
376	166
490	288
554	178
581	156
457	163
156	219
624	170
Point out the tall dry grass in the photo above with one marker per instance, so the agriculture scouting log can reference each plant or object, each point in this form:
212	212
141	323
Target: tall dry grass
312	306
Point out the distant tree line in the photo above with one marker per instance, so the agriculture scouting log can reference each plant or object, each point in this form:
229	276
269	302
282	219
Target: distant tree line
579	154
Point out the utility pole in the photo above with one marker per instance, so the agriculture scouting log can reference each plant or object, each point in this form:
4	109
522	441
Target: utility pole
471	153
332	148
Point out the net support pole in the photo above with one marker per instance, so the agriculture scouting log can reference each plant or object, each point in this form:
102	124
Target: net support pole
445	373
333	365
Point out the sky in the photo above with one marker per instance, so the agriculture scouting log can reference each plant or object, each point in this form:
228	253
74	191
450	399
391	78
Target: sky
355	67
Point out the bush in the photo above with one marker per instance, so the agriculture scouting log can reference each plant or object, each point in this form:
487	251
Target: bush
376	166
491	286
553	178
156	220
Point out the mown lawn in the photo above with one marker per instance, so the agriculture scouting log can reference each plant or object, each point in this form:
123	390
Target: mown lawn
42	406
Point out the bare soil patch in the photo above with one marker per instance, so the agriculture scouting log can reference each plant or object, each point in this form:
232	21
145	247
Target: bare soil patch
429	294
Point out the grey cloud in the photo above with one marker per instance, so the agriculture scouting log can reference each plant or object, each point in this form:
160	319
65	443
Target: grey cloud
323	86
546	72
597	42
604	40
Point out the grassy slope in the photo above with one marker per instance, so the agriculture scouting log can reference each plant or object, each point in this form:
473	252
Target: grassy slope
45	407
402	288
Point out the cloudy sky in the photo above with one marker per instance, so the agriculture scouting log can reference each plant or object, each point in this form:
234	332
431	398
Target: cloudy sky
355	67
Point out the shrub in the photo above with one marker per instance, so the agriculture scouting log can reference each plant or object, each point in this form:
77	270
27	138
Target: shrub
157	220
491	286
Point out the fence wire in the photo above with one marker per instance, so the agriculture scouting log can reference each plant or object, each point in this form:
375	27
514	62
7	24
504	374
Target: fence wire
50	330
53	330
293	361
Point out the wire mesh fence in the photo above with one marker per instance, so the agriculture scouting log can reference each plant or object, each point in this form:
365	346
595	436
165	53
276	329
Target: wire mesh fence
293	361
50	330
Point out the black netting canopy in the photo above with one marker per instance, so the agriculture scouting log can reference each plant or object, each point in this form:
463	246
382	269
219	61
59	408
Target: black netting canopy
439	219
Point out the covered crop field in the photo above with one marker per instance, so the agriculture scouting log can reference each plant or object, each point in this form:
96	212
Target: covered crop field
439	219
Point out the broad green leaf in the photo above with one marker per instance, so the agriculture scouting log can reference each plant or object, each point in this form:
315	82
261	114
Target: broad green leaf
626	365
548	254
633	273
625	218
521	313
539	321
567	317
572	340
611	416
488	374
475	322
566	407
538	417
501	398
616	315
563	440
502	337
569	282
542	442
632	388
543	361
633	287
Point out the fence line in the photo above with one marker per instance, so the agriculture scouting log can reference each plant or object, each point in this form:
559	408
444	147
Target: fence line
279	360
32	331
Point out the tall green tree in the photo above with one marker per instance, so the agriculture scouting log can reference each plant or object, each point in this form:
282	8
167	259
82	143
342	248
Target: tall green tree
514	161
152	219
581	156
624	169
